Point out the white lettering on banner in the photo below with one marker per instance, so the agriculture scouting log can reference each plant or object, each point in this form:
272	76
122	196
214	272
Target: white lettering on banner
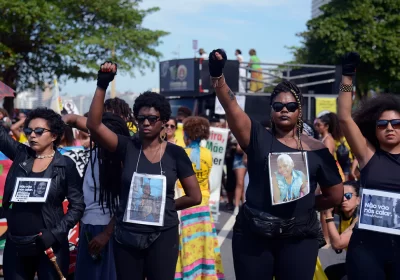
378	211
216	143
219	110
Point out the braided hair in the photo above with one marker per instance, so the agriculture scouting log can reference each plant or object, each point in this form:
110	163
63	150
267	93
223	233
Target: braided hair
110	167
287	86
118	107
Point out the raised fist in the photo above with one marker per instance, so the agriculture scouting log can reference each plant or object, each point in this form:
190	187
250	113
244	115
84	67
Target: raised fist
216	62
106	74
349	63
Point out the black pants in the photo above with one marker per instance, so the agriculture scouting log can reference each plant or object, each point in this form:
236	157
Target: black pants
158	262
258	258
336	271
25	268
373	255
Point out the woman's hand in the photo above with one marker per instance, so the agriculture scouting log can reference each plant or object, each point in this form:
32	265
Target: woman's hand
106	74
216	63
328	213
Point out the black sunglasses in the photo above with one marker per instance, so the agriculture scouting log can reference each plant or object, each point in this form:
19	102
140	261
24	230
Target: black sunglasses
291	106
170	125
348	195
38	131
152	119
384	123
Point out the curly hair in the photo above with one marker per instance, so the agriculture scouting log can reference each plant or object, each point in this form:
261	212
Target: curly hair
54	121
184	111
369	111
118	107
196	128
153	100
331	119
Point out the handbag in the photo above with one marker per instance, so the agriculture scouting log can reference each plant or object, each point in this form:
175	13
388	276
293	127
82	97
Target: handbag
25	246
135	240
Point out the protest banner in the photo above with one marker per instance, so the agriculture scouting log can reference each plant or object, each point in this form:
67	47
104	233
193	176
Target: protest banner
380	211
216	143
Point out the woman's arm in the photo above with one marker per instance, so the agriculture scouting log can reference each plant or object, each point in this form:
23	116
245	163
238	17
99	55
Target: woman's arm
76	204
353	169
338	241
100	133
359	145
238	120
330	144
330	197
8	146
15	128
76	121
192	195
277	192
97	244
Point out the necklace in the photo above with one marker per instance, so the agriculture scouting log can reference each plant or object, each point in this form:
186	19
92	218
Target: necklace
46	156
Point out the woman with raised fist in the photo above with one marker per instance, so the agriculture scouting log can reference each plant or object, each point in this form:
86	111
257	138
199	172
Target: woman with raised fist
146	228
277	232
373	134
35	219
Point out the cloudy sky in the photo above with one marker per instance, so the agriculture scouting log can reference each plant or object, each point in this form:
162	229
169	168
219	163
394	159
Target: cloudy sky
265	25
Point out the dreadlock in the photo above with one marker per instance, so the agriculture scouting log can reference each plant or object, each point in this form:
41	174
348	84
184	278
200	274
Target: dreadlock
287	86
110	169
118	107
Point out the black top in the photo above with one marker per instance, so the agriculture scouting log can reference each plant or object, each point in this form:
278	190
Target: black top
381	172
175	165
26	218
322	169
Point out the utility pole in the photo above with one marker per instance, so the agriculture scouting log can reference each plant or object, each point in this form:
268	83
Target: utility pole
113	93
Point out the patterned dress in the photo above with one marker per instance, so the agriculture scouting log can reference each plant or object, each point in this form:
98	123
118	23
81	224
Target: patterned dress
199	252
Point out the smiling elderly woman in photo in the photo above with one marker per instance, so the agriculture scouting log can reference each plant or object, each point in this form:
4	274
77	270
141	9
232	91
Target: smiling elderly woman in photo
288	183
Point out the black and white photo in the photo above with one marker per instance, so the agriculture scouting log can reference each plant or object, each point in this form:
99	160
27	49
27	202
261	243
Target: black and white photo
31	190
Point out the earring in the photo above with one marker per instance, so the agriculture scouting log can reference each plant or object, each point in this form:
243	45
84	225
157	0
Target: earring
163	135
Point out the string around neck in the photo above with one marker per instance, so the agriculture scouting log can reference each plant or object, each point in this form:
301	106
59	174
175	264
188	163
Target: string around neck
140	153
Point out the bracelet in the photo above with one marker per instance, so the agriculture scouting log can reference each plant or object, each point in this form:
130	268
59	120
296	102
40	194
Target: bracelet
328	220
345	88
215	81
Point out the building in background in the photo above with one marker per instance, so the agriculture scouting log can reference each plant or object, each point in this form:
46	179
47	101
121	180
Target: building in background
315	5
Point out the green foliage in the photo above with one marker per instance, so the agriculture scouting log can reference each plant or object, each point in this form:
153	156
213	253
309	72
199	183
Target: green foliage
370	27
43	39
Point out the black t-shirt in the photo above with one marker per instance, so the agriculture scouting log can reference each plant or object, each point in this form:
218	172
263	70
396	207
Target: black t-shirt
380	172
175	165
31	213
322	169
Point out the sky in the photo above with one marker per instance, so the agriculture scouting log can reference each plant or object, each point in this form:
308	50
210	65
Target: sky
268	26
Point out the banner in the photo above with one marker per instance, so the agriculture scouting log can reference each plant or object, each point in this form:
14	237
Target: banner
380	211
216	143
324	105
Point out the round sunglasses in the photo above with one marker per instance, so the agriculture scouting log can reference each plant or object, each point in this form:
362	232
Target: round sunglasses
170	126
382	124
348	195
291	106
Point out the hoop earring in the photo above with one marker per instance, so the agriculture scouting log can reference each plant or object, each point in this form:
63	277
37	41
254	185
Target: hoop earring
163	135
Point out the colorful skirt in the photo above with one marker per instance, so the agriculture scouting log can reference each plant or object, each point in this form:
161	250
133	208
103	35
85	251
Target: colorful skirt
199	253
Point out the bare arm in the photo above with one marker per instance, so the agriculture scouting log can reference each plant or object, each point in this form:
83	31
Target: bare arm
339	241
239	121
76	121
277	192
192	195
100	133
360	147
330	144
16	127
330	197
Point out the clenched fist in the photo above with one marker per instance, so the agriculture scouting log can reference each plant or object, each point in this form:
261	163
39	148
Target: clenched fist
216	62
106	74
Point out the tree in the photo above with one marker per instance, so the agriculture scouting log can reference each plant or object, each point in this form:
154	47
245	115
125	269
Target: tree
43	39
370	27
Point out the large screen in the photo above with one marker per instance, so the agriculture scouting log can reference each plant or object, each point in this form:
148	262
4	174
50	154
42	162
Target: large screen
177	75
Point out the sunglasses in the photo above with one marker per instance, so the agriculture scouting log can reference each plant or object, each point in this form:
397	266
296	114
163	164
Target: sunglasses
382	124
151	118
291	106
170	125
38	131
348	195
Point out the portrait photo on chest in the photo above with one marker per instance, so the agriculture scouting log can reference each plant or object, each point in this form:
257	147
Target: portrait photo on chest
288	176
31	190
